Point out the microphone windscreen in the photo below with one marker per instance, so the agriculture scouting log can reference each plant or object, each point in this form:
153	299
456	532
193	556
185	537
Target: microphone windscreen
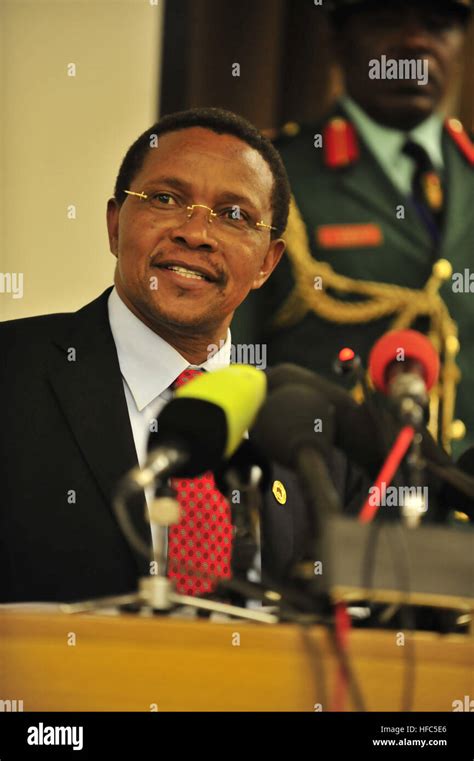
239	390
286	373
356	432
293	417
400	346
195	426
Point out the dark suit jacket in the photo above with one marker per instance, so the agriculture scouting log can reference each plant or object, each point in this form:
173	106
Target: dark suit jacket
65	441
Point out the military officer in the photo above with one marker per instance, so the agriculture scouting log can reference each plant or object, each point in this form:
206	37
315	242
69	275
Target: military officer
382	225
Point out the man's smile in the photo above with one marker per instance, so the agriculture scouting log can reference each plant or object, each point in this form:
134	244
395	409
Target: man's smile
185	272
189	274
197	270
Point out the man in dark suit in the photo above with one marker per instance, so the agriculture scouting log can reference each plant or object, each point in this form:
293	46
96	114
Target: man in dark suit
200	202
381	232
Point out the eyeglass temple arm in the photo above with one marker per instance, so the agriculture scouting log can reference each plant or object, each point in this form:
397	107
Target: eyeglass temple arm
191	208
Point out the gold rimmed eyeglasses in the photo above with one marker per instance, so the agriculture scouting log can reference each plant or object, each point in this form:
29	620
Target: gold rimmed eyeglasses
229	218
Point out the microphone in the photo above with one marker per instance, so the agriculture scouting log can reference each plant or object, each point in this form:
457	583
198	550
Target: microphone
247	466
294	416
404	366
365	440
204	423
295	427
243	479
356	433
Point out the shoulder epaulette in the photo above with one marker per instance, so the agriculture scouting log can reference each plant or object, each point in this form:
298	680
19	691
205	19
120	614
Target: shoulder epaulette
458	134
341	146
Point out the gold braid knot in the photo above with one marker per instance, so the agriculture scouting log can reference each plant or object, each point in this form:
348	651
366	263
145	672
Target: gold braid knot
313	280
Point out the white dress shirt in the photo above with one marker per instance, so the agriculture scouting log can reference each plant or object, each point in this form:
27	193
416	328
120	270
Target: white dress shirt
149	365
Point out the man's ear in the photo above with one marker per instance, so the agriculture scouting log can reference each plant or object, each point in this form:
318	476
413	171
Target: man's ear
113	224
273	256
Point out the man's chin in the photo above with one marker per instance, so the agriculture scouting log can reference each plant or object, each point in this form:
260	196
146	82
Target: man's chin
404	111
175	318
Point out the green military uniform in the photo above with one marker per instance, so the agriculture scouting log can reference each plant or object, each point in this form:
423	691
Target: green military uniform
351	215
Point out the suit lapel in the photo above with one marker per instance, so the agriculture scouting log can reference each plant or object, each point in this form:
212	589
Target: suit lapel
85	375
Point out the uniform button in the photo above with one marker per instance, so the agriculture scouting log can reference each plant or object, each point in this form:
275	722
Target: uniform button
290	129
442	269
452	345
457	430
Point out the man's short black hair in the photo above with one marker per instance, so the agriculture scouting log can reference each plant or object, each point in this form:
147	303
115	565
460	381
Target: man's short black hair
222	122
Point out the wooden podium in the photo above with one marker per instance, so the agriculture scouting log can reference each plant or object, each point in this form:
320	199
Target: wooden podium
58	662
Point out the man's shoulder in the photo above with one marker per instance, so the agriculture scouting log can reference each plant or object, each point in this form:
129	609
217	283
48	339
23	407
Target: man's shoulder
459	140
31	330
322	147
46	324
295	138
30	334
43	323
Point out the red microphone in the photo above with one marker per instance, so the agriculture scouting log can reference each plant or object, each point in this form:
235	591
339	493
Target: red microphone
404	365
403	351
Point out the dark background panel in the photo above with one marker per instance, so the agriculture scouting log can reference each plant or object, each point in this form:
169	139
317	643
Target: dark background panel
282	48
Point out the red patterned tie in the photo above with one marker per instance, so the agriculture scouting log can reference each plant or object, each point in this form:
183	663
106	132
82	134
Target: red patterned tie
200	545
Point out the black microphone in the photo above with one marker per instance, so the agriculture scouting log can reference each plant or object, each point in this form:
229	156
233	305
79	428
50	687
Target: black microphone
243	479
238	471
362	437
295	428
365	439
191	439
356	433
295	416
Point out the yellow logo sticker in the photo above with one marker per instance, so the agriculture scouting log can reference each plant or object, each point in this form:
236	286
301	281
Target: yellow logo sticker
279	492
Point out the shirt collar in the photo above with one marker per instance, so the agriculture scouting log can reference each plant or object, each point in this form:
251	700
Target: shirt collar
148	364
386	143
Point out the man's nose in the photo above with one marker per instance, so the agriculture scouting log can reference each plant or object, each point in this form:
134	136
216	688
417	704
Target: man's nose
414	31
196	231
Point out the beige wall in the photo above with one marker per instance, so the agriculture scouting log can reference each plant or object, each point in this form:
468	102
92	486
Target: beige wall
62	139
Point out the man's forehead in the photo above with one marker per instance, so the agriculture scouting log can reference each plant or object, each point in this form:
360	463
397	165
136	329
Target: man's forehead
231	157
203	138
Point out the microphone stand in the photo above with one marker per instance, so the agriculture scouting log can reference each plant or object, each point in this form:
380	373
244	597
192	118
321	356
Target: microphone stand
156	592
408	392
249	480
322	504
245	513
410	399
